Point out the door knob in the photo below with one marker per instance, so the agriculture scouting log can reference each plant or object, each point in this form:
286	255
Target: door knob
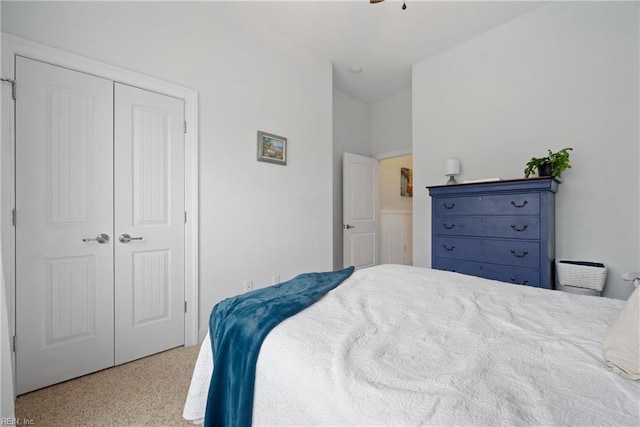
101	238
348	226
125	238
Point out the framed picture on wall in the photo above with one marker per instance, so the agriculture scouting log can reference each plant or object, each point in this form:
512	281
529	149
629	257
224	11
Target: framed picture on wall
406	182
272	148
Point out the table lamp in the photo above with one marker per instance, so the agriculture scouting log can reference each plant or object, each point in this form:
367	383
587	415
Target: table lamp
452	168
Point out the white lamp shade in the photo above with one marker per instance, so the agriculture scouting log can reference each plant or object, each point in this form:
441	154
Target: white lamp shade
452	167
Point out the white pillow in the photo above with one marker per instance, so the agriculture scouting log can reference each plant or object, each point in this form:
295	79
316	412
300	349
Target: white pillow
622	343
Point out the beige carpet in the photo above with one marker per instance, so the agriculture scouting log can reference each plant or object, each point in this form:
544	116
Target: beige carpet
149	391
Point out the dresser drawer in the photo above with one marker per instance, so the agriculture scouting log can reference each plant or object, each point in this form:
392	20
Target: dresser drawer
511	227
490	271
502	204
507	252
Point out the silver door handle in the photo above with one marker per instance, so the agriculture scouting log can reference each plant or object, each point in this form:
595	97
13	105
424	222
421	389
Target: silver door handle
348	226
101	238
125	238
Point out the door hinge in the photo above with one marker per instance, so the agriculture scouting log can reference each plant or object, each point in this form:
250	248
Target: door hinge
185	126
185	217
13	87
13	216
14	343
185	306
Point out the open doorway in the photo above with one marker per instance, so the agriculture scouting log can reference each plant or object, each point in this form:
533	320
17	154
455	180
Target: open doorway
396	210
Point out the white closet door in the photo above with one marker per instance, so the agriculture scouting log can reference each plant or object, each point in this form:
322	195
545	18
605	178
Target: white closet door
149	206
64	194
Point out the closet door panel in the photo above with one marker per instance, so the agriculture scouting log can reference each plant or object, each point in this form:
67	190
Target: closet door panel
149	222
64	196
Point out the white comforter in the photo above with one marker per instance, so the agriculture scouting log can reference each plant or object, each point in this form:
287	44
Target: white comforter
398	345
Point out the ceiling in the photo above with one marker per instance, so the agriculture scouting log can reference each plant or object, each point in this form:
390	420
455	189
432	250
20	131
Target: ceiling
382	39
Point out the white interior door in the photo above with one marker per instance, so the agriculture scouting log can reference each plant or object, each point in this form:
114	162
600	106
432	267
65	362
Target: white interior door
149	206
360	210
64	195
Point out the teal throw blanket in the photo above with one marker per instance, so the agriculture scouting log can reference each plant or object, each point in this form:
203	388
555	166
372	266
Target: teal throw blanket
237	327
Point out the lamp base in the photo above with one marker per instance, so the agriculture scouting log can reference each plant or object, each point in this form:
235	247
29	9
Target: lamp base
452	180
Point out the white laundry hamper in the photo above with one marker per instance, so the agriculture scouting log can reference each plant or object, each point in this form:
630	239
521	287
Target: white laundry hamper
581	277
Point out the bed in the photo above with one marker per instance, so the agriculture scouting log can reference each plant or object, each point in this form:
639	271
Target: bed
402	345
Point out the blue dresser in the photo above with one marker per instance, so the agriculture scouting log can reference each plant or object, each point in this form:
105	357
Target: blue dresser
502	230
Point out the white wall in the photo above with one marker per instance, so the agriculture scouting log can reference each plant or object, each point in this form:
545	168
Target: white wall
352	134
256	219
391	124
565	74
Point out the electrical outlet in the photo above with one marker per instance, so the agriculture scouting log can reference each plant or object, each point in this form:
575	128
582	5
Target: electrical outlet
275	279
248	286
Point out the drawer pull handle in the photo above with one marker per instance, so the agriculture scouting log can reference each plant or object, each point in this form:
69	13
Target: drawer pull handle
448	248
521	255
524	203
449	226
524	282
515	227
446	206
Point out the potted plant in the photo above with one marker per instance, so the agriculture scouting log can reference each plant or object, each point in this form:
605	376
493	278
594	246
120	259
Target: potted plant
551	165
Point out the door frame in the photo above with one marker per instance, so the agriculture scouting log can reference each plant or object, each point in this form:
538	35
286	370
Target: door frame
12	46
385	213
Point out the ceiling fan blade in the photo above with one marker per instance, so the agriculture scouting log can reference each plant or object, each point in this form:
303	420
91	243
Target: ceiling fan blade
375	1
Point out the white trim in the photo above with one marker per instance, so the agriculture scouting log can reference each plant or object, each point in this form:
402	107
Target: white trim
12	46
6	181
394	153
